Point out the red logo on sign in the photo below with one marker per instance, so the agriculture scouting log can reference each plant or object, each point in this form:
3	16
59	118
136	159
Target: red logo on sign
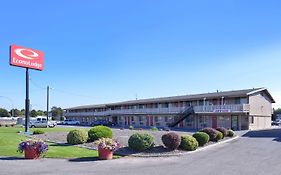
25	57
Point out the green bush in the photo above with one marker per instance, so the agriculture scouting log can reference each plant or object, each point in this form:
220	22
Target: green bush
154	128
188	143
99	132
202	138
219	136
77	137
222	130
38	131
230	133
140	141
131	127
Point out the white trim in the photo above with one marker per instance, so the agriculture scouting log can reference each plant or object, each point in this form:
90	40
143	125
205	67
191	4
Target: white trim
259	90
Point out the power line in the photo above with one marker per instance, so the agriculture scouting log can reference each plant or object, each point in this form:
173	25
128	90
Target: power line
71	93
59	90
36	85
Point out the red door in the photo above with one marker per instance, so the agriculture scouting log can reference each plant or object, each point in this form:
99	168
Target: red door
151	120
181	124
214	122
129	120
147	120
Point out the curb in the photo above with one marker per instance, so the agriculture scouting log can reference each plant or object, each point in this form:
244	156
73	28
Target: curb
186	152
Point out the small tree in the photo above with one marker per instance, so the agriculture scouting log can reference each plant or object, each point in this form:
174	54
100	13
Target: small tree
33	113
4	113
275	112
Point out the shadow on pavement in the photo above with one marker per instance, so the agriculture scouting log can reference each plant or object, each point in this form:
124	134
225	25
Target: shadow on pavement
84	159
11	158
272	133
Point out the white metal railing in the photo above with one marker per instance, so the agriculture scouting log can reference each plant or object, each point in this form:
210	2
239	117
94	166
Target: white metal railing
170	110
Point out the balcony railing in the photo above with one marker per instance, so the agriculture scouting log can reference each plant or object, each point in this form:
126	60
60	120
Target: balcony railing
235	108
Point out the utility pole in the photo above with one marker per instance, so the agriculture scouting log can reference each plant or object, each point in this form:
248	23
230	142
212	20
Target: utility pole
48	93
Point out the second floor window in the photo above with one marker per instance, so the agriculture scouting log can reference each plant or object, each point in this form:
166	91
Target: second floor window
165	105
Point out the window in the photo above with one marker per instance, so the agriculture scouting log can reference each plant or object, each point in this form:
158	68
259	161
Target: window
156	119
165	105
251	119
189	119
237	100
140	118
166	119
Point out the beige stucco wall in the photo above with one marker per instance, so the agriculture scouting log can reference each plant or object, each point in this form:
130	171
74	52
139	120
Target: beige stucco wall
261	110
260	122
260	105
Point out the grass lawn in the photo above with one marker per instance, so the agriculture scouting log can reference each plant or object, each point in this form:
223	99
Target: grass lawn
9	140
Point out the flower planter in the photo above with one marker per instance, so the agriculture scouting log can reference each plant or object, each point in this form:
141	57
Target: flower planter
105	154
31	153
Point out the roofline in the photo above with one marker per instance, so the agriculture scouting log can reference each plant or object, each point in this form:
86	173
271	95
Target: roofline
263	89
165	99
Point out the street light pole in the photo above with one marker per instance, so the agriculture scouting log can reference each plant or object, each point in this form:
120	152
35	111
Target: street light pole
48	94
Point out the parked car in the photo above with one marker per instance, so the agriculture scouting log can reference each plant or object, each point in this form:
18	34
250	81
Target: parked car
41	122
71	122
276	122
103	122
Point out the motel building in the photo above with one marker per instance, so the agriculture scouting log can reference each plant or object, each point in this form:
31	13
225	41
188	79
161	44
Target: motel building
248	109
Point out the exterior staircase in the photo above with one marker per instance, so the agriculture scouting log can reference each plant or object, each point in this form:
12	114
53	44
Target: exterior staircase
182	115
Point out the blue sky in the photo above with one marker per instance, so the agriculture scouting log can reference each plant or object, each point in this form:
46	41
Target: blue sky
108	51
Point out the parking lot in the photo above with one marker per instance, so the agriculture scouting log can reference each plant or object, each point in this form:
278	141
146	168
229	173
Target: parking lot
254	153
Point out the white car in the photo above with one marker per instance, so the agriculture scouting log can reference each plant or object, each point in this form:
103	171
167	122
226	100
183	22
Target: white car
70	122
41	122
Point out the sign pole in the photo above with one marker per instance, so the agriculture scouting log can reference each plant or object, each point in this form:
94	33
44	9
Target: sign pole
27	102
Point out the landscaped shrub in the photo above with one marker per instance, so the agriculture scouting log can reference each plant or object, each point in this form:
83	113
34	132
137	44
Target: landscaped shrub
188	143
140	141
38	131
202	138
223	131
230	133
77	137
98	132
211	132
154	128
219	136
171	140
131	127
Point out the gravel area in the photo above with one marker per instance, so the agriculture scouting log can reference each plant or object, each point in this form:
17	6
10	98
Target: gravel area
122	136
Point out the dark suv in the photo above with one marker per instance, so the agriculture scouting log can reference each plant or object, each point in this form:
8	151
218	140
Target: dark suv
103	122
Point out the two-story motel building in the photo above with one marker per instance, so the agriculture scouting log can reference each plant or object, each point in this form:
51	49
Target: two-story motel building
239	110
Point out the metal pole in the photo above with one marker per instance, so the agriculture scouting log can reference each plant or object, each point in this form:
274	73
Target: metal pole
27	102
48	88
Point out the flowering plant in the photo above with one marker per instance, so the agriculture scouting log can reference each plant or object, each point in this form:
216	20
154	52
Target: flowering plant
33	144
107	143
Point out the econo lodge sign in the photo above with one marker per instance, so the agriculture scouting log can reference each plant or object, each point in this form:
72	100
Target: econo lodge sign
25	57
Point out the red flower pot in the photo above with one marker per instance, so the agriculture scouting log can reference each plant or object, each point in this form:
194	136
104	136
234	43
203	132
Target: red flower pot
105	154
31	153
